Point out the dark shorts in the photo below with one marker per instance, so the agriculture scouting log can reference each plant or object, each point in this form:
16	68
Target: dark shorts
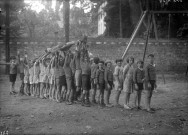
140	86
111	85
21	76
12	77
62	80
86	85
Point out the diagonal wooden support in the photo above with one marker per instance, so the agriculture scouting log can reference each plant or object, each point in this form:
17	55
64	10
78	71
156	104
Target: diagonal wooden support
134	33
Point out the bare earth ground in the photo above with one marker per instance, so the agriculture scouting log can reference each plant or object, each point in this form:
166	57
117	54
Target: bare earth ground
29	115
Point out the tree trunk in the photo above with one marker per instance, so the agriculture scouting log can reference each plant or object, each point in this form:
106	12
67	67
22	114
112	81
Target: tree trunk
66	8
7	39
120	20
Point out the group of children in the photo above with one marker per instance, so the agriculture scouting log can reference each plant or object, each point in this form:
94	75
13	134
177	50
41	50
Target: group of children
74	77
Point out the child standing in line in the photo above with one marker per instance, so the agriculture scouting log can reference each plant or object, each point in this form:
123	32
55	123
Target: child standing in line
21	69
138	78
94	68
36	69
128	85
42	78
150	82
47	78
108	76
26	77
31	74
52	79
12	73
118	83
100	80
86	73
61	81
69	79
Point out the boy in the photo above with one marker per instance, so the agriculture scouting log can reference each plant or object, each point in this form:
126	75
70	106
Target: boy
69	79
12	73
118	83
78	74
42	78
52	79
150	82
100	80
36	69
31	74
108	76
86	73
138	79
61	81
94	68
128	81
26	77
21	69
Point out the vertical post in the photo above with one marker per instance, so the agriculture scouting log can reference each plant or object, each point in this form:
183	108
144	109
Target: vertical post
66	7
120	19
155	26
56	36
7	38
148	34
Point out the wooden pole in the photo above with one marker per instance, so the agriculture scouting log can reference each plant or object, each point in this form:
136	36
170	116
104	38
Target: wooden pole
134	33
7	38
66	7
120	19
157	39
148	34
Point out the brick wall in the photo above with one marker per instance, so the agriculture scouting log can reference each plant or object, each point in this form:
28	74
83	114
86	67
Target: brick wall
170	56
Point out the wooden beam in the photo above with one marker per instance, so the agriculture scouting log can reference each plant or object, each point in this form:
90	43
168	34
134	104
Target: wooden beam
155	27
134	33
170	12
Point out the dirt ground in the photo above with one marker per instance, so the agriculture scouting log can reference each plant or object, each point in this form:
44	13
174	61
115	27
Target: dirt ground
29	115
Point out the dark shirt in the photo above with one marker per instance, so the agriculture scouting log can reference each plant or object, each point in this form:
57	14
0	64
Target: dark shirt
100	76
108	75
150	73
138	75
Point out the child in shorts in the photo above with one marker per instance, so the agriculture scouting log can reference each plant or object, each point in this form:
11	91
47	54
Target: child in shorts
69	79
108	76
31	74
118	83
42	78
52	79
86	73
100	80
138	79
94	68
150	82
26	77
36	69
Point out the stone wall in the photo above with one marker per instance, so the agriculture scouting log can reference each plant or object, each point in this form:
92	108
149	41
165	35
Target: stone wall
170	56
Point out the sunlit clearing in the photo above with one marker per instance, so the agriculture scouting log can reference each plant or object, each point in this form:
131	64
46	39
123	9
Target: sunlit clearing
36	5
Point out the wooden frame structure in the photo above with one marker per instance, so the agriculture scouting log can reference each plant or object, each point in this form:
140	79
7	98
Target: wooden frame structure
151	20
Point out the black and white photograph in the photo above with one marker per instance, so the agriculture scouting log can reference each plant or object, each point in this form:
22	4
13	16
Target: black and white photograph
93	67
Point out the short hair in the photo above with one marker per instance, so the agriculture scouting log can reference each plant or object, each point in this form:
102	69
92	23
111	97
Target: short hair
96	60
13	58
151	55
131	59
118	60
140	61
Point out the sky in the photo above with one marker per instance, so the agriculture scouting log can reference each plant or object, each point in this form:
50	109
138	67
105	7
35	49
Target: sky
37	6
